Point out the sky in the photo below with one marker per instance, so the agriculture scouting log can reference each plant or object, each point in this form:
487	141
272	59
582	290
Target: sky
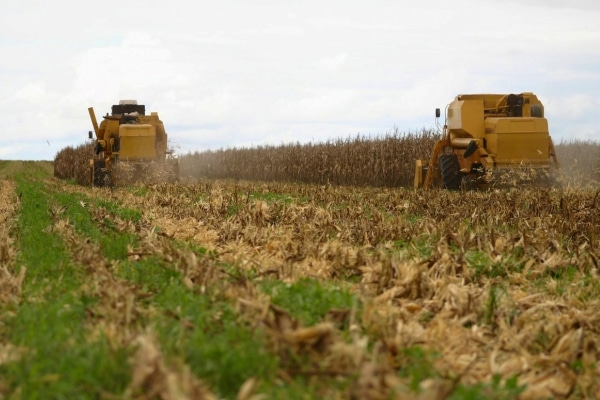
235	73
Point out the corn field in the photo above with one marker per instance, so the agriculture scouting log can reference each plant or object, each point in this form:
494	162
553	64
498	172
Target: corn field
384	161
74	163
387	160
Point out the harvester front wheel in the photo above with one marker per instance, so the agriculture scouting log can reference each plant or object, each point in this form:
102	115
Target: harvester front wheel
100	176
450	171
469	182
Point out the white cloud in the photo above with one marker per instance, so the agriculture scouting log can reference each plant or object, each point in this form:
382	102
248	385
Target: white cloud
573	108
238	73
332	64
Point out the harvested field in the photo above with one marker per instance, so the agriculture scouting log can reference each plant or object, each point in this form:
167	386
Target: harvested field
247	290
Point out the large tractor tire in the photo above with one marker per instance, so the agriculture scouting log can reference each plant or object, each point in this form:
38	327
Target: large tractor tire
100	176
469	183
450	171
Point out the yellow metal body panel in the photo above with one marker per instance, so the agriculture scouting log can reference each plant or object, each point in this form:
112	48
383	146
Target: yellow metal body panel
503	125
518	140
465	118
529	150
137	142
109	128
161	135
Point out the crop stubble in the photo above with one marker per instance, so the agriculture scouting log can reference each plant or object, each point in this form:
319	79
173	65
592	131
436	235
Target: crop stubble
500	283
11	279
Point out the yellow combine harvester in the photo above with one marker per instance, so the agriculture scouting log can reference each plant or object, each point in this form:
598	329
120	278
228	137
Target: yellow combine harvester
485	134
130	146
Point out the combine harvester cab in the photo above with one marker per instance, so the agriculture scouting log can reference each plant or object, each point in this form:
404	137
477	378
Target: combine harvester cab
490	139
130	147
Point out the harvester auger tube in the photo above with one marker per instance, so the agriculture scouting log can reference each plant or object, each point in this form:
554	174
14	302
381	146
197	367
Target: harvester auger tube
94	121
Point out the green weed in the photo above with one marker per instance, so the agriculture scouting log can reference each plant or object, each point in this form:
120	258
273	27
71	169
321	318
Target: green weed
308	300
495	390
417	364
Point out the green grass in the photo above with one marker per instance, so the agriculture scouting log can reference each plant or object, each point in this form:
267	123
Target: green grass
271	197
41	250
309	300
417	364
203	330
485	267
58	360
497	389
115	209
419	247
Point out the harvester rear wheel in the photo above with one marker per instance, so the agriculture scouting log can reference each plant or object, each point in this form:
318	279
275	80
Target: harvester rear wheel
450	171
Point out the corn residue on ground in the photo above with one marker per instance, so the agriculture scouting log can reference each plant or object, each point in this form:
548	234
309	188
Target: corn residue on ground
247	290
